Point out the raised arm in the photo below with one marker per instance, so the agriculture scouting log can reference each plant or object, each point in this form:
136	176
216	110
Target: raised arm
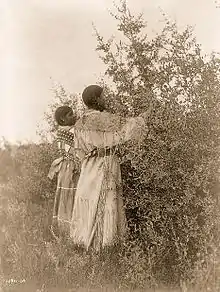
136	128
126	129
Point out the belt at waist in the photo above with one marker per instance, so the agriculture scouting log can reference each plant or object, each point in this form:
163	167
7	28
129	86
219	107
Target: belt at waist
102	152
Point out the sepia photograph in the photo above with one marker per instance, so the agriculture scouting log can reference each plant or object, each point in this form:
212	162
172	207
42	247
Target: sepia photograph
109	146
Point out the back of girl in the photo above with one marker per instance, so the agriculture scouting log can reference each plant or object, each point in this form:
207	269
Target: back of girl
66	167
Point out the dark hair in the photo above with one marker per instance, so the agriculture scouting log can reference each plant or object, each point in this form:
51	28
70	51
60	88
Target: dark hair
91	96
61	112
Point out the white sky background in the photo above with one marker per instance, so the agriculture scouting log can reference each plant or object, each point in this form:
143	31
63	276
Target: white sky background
54	38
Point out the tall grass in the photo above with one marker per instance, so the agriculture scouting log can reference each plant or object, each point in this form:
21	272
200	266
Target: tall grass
30	251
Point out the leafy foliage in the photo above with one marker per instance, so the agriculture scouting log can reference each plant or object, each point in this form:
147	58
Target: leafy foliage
172	189
170	181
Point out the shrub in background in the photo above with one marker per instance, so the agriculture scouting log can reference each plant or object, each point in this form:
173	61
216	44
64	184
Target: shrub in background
171	184
27	201
171	179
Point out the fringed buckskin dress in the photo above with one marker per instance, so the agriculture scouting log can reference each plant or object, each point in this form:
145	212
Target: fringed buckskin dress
98	218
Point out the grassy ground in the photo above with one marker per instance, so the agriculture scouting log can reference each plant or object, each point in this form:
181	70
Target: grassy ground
25	256
33	287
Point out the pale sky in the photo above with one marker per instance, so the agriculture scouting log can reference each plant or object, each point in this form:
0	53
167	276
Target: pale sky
43	39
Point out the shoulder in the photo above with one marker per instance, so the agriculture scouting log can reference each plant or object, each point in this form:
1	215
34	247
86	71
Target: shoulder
100	121
65	134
